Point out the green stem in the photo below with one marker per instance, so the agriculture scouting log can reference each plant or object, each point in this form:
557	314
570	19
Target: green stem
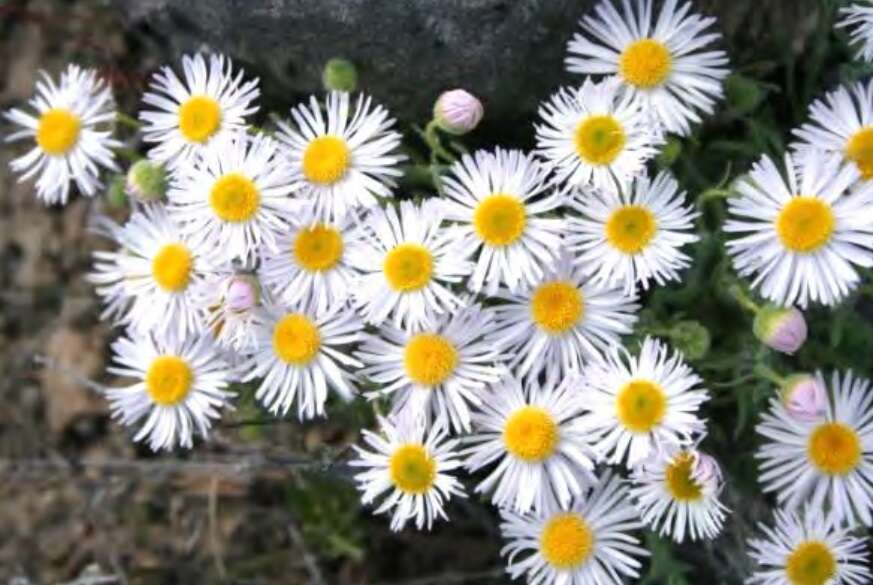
432	137
743	299
714	193
128	153
769	374
128	121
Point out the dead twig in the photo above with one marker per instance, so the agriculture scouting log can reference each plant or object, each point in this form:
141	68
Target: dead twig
52	363
309	561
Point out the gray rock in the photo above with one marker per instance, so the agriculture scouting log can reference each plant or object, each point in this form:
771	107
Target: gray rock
508	52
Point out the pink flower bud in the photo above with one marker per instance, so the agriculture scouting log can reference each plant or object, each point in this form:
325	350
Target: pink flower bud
242	293
457	111
707	472
805	397
783	329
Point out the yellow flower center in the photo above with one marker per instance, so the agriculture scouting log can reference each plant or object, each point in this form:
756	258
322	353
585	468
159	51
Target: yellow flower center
199	118
834	448
805	224
234	198
811	563
412	469
630	228
430	359
566	541
296	339
168	380
859	150
57	131
557	306
640	405
499	219
645	63
408	267
326	160
318	248
680	481
599	139
531	434
171	267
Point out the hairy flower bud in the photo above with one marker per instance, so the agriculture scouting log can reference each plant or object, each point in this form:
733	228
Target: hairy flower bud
146	181
242	293
805	397
457	111
783	329
339	75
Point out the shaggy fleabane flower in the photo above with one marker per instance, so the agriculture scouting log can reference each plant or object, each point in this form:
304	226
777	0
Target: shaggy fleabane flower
858	17
802	234
192	115
180	388
343	156
416	466
827	461
595	134
658	59
633	235
69	145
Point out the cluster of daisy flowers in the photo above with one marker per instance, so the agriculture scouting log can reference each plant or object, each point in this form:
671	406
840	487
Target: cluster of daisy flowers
489	317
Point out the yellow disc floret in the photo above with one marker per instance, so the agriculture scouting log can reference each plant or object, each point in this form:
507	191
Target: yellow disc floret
168	380
235	198
805	224
645	63
408	267
199	118
412	469
58	131
531	434
318	248
326	160
429	359
679	478
599	139
566	541
296	339
630	228
171	267
859	150
499	219
811	563
834	448
557	306
640	405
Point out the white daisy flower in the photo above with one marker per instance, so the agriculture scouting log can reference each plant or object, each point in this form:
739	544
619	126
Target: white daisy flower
827	462
416	466
809	550
554	326
595	134
181	388
342	159
589	542
842	123
310	269
640	404
801	236
151	281
858	17
408	263
69	146
233	199
192	117
438	373
632	236
299	356
502	201
530	433
677	493
660	60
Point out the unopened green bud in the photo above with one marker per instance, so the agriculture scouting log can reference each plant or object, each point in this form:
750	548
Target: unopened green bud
691	338
670	152
339	75
146	181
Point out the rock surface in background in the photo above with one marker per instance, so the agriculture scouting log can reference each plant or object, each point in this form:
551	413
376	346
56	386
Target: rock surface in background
510	53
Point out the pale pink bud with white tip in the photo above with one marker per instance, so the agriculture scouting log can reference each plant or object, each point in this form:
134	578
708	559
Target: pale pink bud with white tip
783	329
805	397
242	293
457	111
